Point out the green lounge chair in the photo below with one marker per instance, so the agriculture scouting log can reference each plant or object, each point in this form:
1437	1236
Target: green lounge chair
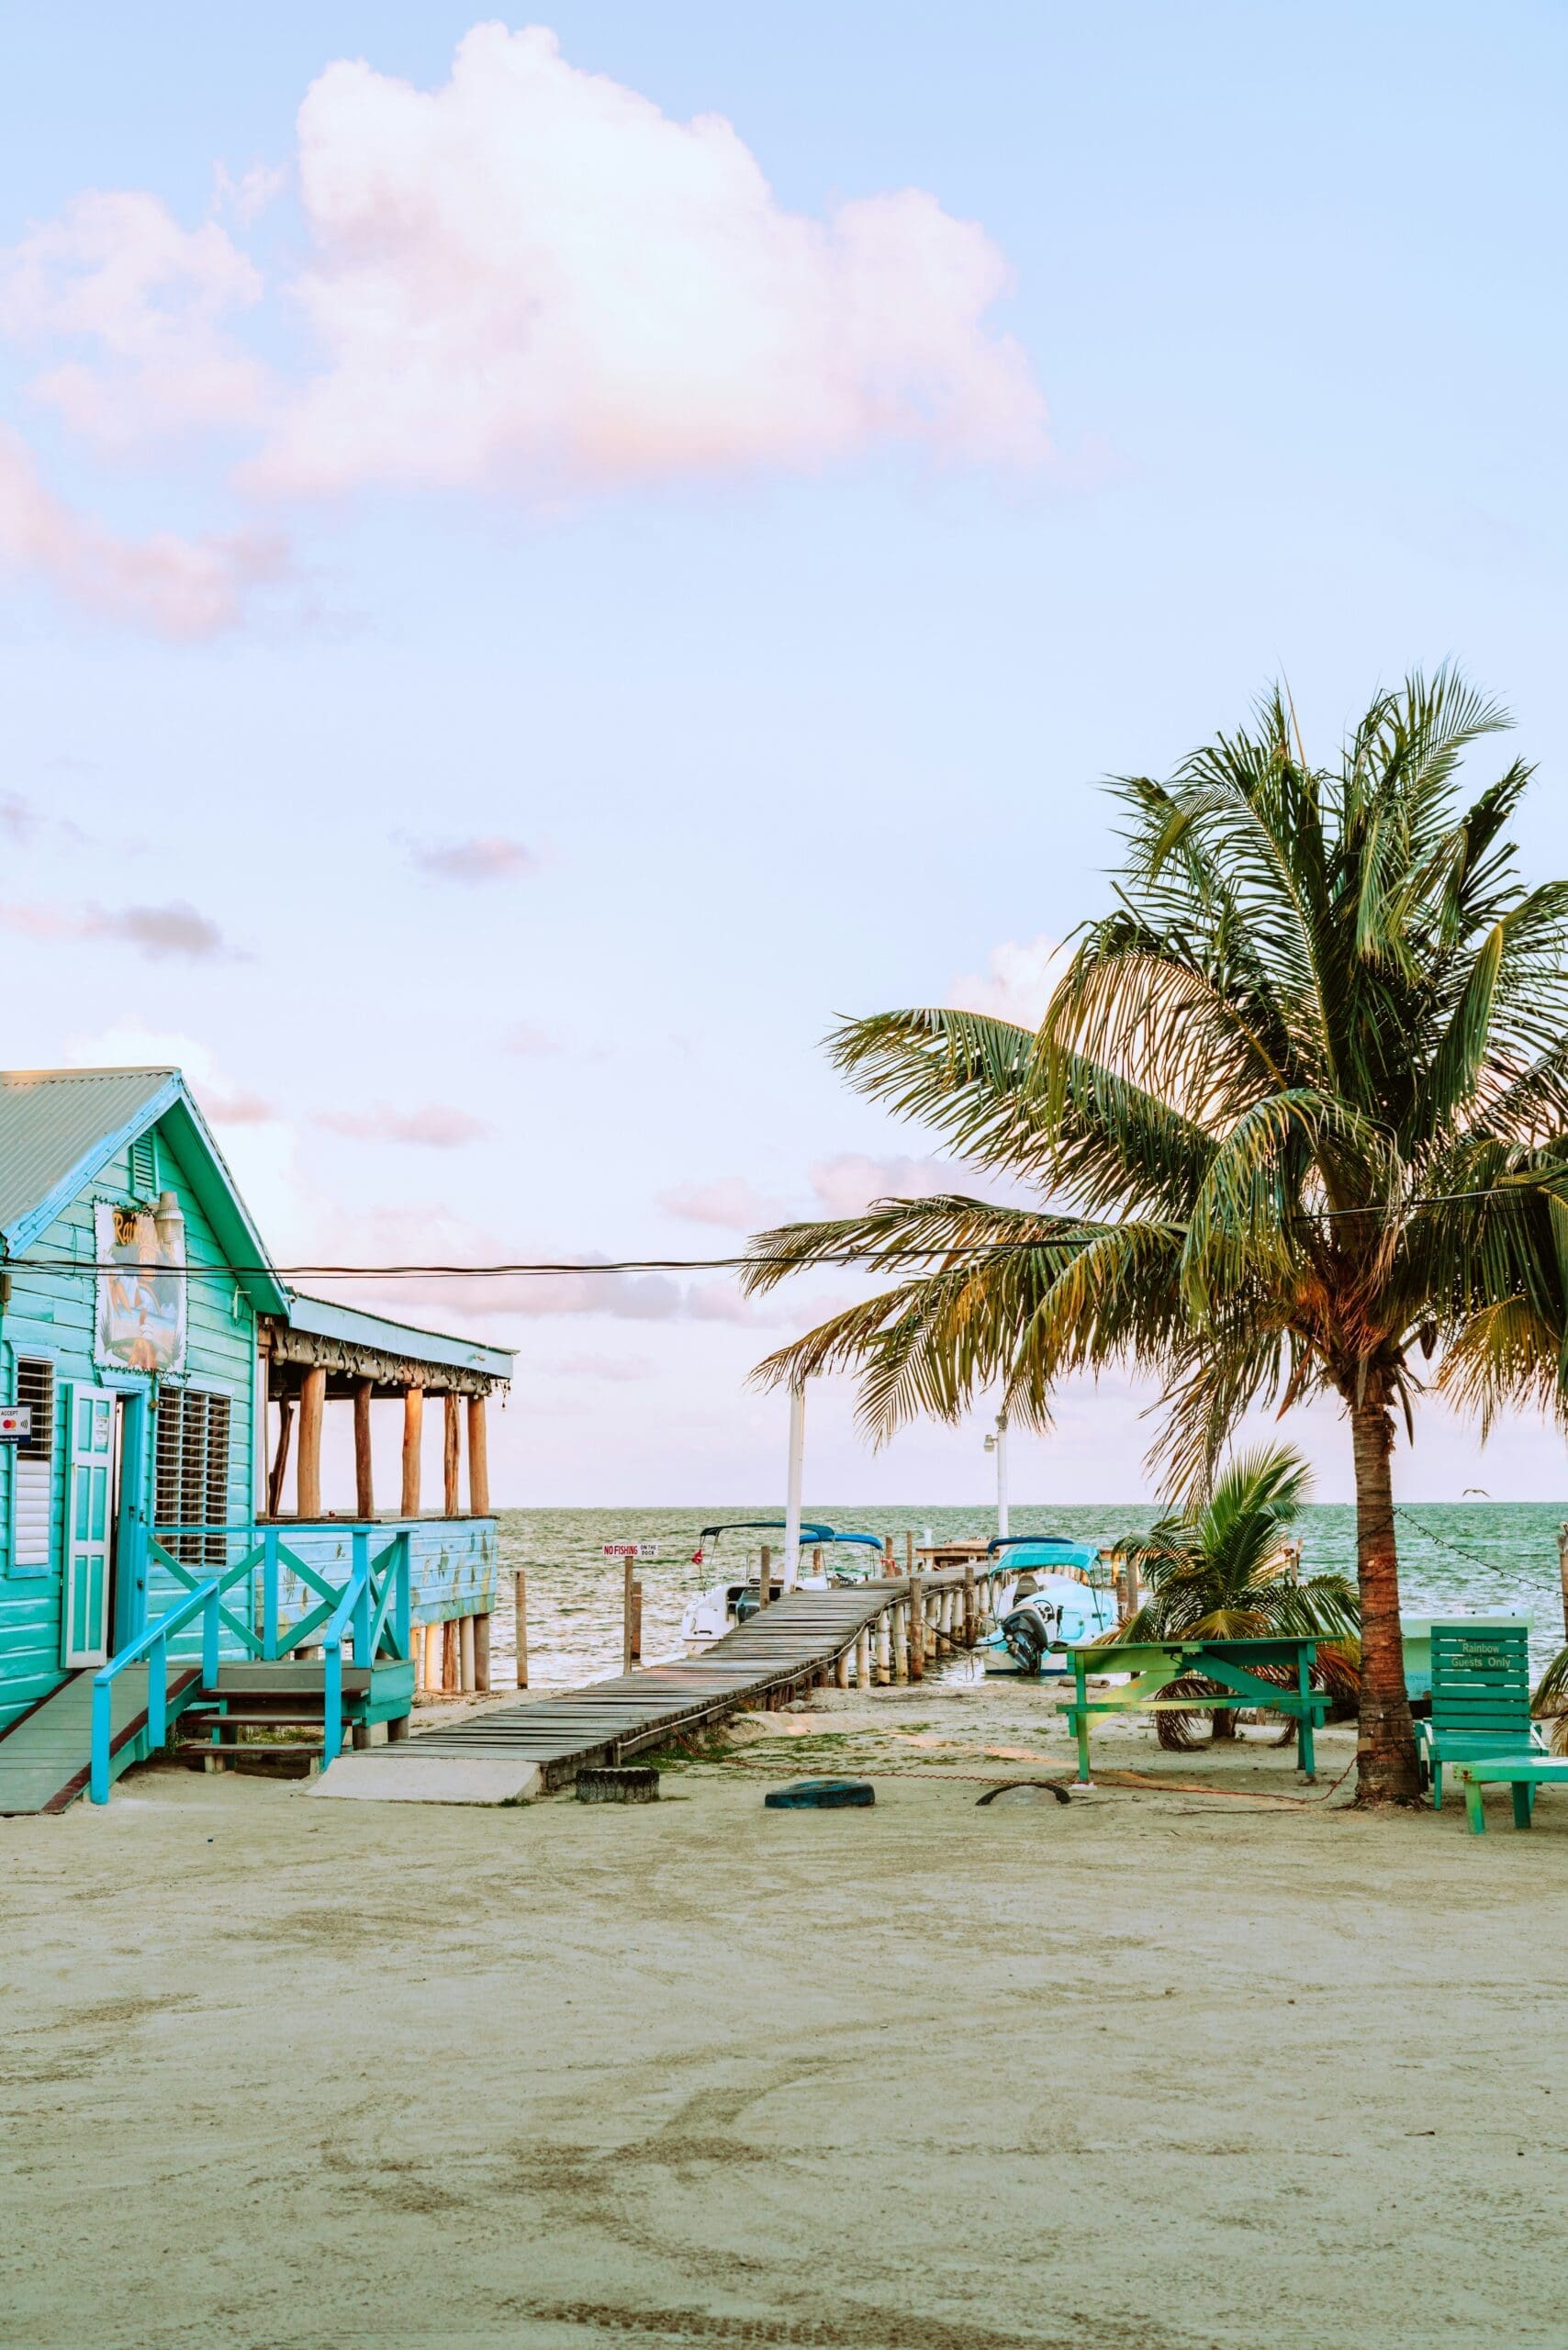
1480	1699
1522	1774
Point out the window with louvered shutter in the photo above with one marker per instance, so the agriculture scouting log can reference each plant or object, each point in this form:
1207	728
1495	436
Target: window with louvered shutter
192	1478
33	1507
143	1169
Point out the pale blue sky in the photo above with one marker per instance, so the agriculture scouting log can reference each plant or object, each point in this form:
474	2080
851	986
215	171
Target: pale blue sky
809	736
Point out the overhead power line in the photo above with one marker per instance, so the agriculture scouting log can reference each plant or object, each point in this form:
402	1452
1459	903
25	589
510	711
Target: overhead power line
877	1253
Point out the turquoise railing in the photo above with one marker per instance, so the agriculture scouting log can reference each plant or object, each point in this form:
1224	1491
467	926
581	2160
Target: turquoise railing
262	1632
203	1600
373	1609
375	1614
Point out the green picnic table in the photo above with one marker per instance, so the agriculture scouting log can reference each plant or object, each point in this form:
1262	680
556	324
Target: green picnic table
1233	1665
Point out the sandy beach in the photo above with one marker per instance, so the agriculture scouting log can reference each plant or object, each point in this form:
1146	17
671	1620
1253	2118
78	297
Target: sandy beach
1155	2069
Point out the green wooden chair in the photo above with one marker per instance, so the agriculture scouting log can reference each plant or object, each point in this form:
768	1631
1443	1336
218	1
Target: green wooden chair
1480	1699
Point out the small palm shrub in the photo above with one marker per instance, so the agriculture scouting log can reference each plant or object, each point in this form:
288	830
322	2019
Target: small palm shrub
1218	1571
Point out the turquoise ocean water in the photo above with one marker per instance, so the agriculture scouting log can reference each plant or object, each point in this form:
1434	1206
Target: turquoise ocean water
1487	1557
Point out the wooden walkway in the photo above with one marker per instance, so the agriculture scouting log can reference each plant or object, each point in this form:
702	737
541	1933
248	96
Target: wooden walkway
785	1647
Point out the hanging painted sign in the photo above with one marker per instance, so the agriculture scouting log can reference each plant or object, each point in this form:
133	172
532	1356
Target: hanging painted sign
15	1423
140	1322
631	1550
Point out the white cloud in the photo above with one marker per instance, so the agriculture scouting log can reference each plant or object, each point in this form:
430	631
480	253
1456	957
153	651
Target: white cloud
1016	984
532	274
528	279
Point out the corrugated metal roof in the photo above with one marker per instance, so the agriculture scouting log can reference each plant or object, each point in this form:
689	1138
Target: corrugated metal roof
53	1121
324	1318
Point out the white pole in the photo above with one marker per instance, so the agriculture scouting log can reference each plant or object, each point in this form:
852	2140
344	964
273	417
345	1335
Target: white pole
792	1498
1001	1525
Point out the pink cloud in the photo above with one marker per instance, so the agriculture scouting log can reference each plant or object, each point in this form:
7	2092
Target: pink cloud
621	1368
531	1044
159	931
848	1184
486	859
237	1109
175	586
730	1201
433	1127
138	300
532	274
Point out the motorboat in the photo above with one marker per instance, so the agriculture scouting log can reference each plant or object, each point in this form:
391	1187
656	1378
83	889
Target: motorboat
1058	1595
738	1593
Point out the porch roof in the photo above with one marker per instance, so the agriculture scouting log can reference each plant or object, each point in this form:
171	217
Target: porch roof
343	1339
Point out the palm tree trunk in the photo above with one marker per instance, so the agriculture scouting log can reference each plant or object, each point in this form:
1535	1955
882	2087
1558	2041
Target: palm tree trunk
1385	1748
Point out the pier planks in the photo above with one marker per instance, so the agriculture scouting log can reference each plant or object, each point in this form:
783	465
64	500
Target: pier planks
544	1741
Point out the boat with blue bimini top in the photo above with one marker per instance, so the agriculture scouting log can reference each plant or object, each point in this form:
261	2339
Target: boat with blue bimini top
738	1593
1062	1596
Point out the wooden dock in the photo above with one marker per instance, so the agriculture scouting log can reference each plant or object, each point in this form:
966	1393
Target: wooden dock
856	1636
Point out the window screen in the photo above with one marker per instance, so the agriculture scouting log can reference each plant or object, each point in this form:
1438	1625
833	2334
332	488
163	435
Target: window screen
34	1472
192	1472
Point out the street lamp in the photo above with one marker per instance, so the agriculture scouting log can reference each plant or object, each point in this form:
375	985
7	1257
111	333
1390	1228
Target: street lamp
998	1444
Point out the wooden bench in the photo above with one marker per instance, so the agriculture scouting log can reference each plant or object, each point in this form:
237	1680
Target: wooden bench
1154	1664
1523	1774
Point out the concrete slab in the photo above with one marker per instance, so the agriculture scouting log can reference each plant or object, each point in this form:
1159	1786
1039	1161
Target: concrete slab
397	1776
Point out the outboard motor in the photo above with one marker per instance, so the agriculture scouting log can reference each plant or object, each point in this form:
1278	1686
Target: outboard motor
1027	1632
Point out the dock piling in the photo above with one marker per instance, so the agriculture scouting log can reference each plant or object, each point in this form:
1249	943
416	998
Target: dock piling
519	1605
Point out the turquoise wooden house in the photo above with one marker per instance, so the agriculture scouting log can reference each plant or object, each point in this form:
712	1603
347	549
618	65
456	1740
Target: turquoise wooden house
165	1555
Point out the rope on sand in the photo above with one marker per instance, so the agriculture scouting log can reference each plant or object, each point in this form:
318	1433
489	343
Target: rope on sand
1134	1781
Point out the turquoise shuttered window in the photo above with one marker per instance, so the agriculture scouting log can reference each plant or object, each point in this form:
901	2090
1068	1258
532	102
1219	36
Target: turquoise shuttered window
32	1505
193	1471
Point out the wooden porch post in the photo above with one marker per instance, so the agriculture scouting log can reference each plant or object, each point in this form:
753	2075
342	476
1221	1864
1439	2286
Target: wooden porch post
452	1499
312	1402
413	1431
478	1460
280	1457
363	1462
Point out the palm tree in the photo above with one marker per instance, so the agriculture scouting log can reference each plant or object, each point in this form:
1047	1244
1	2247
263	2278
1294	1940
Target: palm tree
1287	1102
1218	1572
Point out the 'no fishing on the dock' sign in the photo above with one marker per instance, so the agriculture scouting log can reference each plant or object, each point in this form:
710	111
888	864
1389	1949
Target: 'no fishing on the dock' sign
631	1550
